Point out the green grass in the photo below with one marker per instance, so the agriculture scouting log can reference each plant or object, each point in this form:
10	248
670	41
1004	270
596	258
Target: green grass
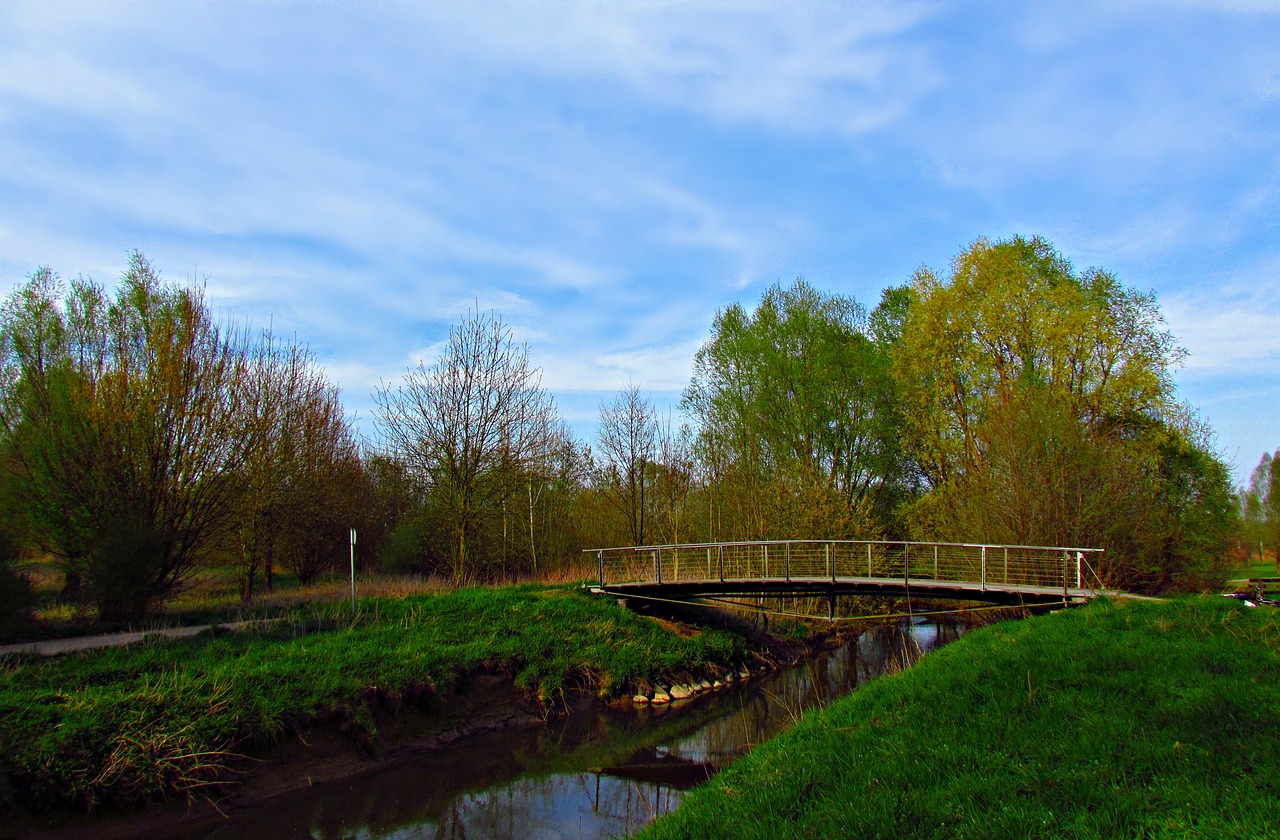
144	722
1119	719
1256	569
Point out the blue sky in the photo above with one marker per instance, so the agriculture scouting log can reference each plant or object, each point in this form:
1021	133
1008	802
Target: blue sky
606	176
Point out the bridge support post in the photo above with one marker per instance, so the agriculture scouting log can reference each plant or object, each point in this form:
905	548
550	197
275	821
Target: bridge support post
600	557
1079	563
657	560
788	562
831	606
868	559
722	563
984	568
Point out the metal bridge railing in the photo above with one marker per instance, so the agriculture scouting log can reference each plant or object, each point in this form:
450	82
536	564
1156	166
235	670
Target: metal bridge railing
1069	569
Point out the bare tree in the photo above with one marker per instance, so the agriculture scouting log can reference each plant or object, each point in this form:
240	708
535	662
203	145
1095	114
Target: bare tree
628	439
325	482
673	473
470	426
301	482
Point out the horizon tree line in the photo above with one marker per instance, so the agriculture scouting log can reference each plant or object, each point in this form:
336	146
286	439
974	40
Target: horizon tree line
1010	399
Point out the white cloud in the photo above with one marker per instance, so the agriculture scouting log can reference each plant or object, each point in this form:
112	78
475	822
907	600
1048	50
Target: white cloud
1228	331
799	67
655	367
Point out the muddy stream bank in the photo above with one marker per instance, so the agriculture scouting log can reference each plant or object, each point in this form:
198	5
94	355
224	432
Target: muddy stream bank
597	771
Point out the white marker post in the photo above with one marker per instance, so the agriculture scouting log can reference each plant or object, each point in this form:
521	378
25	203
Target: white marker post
353	569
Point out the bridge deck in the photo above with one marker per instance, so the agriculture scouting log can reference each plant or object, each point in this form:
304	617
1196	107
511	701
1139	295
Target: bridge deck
823	586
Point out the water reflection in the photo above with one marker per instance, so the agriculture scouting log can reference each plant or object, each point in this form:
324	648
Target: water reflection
600	773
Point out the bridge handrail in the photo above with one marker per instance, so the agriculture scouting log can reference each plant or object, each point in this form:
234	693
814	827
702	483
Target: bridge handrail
840	542
964	562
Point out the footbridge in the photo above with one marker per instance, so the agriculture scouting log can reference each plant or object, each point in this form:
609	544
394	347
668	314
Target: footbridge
998	574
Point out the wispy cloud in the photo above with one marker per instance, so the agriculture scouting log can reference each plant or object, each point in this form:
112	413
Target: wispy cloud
1230	330
607	176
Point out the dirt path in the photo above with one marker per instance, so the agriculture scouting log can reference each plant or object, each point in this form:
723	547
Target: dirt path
54	647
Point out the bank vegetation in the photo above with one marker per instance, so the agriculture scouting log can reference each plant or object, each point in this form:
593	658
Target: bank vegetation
173	718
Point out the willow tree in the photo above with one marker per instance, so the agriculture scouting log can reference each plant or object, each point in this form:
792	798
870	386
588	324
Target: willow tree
1039	403
470	427
122	418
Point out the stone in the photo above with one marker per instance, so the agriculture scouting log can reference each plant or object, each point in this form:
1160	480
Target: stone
717	685
660	698
681	692
640	699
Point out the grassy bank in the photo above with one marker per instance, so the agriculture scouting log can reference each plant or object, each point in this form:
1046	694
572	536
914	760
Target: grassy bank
147	721
1119	719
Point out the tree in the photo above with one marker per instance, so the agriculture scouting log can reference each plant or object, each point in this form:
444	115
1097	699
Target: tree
1040	408
1260	504
303	485
627	433
125	431
795	397
556	527
1015	312
470	426
673	477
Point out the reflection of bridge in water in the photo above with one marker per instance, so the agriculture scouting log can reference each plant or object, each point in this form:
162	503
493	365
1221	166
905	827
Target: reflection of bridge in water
998	574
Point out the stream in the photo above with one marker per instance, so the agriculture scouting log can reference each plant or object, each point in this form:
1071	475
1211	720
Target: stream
597	773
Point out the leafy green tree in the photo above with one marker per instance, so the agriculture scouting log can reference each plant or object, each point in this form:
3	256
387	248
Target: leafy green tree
1040	408
796	413
1260	504
1013	312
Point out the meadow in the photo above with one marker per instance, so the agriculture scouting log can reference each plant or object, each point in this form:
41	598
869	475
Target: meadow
1117	719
